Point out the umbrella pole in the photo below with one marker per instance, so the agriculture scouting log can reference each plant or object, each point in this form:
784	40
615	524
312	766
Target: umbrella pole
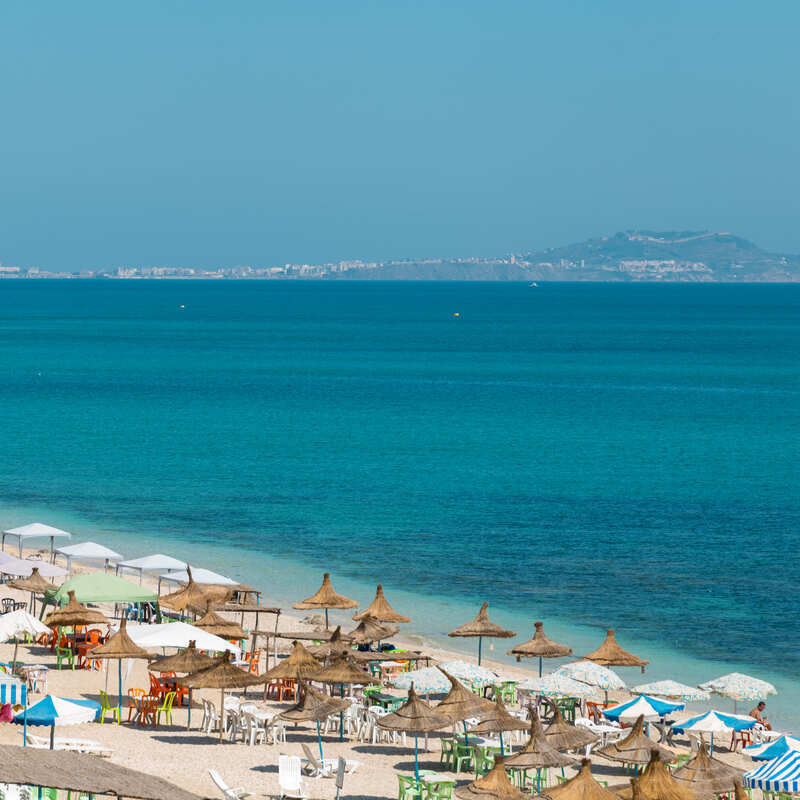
502	752
25	723
326	619
189	721
341	716
480	642
711	751
466	735
319	741
119	675
52	735
14	657
540	675
416	756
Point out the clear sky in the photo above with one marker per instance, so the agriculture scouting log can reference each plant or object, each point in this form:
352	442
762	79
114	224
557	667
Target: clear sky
235	132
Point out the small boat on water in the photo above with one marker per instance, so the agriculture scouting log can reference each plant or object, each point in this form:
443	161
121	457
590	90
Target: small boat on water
533	284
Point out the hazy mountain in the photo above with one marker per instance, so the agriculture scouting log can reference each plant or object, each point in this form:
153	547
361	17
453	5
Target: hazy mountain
629	256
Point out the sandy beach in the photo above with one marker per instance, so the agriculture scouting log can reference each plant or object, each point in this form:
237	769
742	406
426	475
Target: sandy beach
184	757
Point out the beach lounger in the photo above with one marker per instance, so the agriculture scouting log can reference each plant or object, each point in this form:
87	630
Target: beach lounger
228	792
289	778
73	745
325	767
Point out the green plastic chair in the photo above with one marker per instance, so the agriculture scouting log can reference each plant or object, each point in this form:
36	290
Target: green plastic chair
440	790
447	753
62	653
45	793
409	789
484	761
463	754
107	708
166	708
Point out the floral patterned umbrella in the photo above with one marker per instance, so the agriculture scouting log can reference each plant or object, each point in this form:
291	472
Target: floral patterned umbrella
427	680
555	685
593	674
470	673
673	690
739	687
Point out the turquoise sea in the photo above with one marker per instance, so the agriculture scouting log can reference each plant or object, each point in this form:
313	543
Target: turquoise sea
588	455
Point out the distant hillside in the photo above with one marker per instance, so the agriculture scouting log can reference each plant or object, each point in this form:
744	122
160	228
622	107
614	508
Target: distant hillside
630	256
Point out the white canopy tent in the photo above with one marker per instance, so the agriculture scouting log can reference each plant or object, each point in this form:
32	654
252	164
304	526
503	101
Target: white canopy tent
179	634
16	624
87	551
199	575
35	530
23	567
155	563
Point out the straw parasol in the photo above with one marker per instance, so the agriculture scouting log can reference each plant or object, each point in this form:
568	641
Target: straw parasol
636	747
610	654
481	626
494	785
120	646
582	787
497	721
380	609
414	716
460	703
192	594
337	645
655	783
707	776
342	670
325	597
540	647
538	753
189	660
313	706
370	630
73	613
221	675
300	665
34	583
563	735
219	626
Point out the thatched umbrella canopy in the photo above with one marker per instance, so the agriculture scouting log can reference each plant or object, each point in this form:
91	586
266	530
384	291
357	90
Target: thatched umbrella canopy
313	706
34	583
380	609
219	626
460	703
221	675
300	665
656	783
338	644
540	647
325	597
495	785
499	720
73	613
582	787
120	646
636	747
192	594
707	776
342	670
610	654
538	753
482	626
83	774
369	630
414	716
563	735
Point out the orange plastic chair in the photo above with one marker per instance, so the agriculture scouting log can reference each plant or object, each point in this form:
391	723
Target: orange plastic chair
288	690
156	687
134	695
147	707
255	660
93	636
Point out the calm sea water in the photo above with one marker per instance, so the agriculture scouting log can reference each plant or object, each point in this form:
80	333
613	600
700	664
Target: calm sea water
590	455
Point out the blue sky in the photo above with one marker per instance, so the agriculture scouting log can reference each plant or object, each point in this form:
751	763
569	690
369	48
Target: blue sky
205	133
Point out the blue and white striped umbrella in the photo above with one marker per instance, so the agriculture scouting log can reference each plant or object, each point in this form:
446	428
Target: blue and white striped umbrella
593	674
651	707
427	680
766	751
469	673
672	690
715	722
59	711
555	685
782	774
739	687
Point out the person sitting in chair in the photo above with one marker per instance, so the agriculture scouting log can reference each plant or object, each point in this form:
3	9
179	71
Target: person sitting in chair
758	714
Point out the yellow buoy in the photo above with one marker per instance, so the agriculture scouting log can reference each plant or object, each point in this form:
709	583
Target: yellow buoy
183	306
456	314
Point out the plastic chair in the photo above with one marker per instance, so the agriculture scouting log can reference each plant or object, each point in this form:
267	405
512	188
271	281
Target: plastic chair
463	754
156	687
64	650
228	792
439	790
133	696
447	753
289	778
107	708
147	707
408	788
484	761
166	709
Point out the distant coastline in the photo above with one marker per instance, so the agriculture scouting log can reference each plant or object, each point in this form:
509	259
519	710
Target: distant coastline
627	257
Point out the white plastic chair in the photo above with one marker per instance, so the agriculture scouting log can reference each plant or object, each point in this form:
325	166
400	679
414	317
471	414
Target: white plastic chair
289	778
229	793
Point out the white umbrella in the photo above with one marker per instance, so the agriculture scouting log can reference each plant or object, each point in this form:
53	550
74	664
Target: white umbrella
738	687
20	623
593	674
470	673
428	680
648	707
715	722
555	685
179	634
672	690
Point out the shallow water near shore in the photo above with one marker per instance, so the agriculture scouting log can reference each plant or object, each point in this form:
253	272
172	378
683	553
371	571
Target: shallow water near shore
592	456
